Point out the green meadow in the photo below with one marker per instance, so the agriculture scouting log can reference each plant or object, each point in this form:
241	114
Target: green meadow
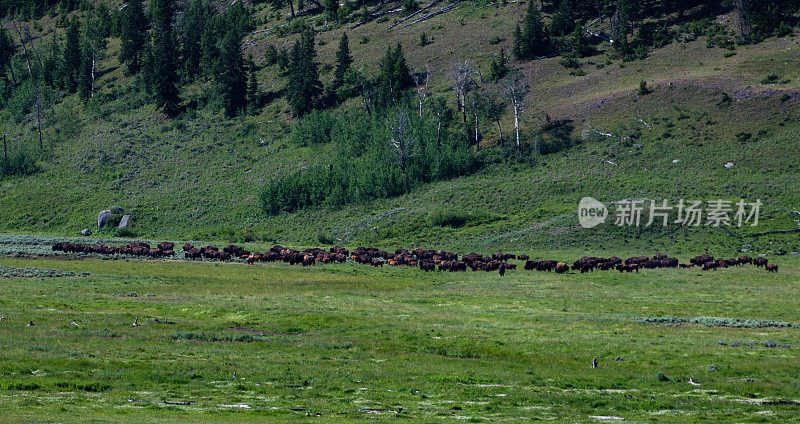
277	343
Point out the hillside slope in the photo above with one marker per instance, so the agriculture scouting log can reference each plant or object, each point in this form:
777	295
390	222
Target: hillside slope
198	176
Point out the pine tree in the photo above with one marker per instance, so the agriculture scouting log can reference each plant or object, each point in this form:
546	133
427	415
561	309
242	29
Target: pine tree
165	75
343	61
277	4
563	22
231	75
394	76
161	12
208	49
7	50
519	43
499	67
193	26
50	71
71	63
532	40
331	9
85	77
303	88
133	35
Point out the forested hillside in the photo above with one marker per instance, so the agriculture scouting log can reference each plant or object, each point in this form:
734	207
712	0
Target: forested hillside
466	123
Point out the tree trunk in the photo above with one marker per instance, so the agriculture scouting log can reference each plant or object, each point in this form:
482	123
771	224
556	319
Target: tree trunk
39	119
438	131
13	77
516	125
38	94
291	5
477	142
500	130
93	68
5	153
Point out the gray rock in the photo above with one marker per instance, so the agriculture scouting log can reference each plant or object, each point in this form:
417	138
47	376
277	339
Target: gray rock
124	221
795	253
102	217
86	232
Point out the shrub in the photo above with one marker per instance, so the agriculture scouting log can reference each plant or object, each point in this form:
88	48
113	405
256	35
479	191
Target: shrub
496	40
20	161
660	376
643	88
19	385
324	238
460	218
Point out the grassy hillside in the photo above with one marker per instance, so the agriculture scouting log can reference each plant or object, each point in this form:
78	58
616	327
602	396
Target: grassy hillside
198	175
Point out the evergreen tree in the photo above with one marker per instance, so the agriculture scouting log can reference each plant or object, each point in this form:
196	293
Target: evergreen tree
303	88
622	26
50	71
165	76
70	65
278	4
192	34
563	22
133	32
208	49
85	73
519	43
532	40
331	9
499	67
231	75
161	12
343	61
394	75
7	50
270	55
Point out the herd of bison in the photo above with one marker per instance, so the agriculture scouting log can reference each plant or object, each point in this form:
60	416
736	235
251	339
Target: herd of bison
427	260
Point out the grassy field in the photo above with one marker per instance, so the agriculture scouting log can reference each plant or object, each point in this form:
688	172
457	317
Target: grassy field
343	343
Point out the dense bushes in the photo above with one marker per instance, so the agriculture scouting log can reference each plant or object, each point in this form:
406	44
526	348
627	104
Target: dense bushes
376	157
19	161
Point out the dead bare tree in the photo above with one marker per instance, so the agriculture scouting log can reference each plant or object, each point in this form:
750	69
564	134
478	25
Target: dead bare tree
462	77
421	82
402	141
515	90
38	90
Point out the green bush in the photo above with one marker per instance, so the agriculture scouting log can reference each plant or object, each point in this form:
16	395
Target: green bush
458	218
20	161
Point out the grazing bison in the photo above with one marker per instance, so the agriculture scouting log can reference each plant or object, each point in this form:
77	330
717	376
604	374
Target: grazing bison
760	261
771	268
561	268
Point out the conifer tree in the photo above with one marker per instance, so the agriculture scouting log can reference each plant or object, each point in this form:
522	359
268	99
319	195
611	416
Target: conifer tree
231	75
531	40
343	61
192	34
71	63
133	35
304	87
